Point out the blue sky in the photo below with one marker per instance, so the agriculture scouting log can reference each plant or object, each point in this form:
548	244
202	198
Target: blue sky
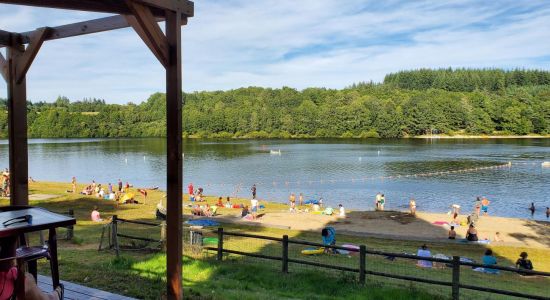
235	43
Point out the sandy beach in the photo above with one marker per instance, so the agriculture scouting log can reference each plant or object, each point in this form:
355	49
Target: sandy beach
400	225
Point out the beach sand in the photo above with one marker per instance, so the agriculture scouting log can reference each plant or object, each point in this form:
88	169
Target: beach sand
400	225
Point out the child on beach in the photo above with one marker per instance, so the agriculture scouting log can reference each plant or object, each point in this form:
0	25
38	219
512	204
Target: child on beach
485	205
96	217
220	202
452	233
228	203
329	239
524	263
342	211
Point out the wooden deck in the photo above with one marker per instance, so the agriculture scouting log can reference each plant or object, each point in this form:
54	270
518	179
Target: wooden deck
78	292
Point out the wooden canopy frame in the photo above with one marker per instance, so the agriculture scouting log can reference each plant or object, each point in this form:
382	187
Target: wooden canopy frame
142	16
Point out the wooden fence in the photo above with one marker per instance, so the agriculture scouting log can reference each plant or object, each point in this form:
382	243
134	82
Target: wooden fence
455	263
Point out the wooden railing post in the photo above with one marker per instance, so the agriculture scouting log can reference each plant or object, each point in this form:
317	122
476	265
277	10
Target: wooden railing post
70	229
115	234
220	244
456	278
362	264
285	254
163	234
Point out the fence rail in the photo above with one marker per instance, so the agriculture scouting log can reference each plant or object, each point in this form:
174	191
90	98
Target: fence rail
455	263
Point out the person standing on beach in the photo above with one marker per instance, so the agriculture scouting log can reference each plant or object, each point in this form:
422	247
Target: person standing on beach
73	183
382	202
548	212
119	185
477	205
485	205
301	199
110	188
532	209
253	189
412	206
377	200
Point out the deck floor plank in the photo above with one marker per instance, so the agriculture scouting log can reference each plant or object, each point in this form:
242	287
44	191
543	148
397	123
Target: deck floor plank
79	292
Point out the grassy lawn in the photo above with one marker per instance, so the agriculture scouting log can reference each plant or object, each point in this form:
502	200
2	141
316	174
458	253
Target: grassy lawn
141	274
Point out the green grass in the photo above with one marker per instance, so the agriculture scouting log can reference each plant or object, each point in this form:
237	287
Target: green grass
142	275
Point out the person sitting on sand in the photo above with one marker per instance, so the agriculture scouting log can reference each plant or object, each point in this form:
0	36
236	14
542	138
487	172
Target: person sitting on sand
497	237
452	233
423	251
220	202
207	211
412	206
228	203
471	234
292	206
328	235
244	212
96	217
489	259
196	210
342	211
523	262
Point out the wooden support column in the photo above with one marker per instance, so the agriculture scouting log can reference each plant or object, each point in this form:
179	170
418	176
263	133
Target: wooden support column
174	160
18	63
17	129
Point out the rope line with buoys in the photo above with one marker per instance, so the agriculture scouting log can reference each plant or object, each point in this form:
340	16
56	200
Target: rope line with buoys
371	178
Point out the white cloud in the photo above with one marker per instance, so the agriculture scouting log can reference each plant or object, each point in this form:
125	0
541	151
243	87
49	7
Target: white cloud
229	44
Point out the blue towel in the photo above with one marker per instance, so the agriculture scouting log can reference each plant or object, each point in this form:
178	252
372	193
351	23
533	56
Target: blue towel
203	222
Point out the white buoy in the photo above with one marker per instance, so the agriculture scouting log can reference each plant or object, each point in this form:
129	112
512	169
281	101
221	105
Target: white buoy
144	158
378	152
126	160
546	164
360	158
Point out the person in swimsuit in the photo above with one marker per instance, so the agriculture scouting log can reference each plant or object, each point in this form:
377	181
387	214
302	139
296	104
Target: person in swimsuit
485	205
471	235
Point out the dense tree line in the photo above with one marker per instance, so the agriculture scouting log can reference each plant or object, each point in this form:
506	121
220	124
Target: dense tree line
467	80
361	111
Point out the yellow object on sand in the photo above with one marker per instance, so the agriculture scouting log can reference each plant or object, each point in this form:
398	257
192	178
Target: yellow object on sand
127	196
317	212
313	251
464	223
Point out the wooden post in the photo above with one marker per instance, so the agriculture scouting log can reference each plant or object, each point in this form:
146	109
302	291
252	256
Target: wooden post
285	254
115	233
174	174
163	234
17	129
456	278
220	244
362	264
70	229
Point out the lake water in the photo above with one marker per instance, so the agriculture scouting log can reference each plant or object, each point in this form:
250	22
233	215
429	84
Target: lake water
350	172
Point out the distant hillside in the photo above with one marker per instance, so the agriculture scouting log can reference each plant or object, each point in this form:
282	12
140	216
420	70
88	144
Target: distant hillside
467	80
407	104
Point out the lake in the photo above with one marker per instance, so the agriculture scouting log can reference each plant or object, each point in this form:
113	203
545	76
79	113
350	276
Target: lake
350	172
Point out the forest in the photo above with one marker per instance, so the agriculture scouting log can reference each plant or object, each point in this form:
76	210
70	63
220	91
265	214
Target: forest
407	103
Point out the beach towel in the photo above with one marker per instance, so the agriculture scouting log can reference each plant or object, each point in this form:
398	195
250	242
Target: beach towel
440	223
203	222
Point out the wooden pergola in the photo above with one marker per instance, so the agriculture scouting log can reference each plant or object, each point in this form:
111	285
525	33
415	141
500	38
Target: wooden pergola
142	16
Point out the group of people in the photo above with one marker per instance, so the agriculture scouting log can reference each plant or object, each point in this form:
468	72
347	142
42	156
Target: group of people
488	259
533	209
380	201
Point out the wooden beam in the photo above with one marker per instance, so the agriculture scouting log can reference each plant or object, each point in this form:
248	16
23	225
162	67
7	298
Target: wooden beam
105	6
5	38
3	67
25	61
183	6
145	25
81	28
17	130
174	160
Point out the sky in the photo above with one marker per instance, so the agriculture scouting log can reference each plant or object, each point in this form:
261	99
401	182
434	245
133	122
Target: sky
274	43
